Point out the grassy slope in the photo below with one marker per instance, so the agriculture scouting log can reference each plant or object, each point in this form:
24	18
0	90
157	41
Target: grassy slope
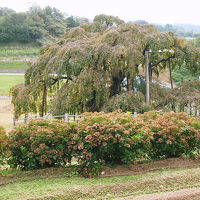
13	65
18	53
12	52
183	74
68	186
8	81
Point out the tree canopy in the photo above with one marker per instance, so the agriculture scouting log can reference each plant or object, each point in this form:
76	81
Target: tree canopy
96	61
35	25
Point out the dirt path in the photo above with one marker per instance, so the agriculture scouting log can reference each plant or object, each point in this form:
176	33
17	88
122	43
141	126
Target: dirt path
21	71
12	73
6	112
184	194
171	163
18	60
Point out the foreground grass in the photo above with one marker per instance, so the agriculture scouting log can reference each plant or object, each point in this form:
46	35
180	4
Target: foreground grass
52	185
13	65
8	81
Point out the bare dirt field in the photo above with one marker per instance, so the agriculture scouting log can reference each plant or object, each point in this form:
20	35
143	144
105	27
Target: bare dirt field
6	113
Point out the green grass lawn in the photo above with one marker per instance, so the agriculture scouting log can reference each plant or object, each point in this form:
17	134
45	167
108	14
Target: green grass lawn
54	185
18	44
18	53
182	74
8	81
13	65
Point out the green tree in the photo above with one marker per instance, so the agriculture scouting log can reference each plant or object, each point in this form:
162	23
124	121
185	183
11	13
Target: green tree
15	27
85	68
108	20
75	21
5	11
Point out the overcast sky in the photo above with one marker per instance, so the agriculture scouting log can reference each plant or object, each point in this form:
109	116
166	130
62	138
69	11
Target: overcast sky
154	11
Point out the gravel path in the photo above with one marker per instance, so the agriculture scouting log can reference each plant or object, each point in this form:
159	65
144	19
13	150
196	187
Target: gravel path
12	73
21	74
19	71
17	59
4	97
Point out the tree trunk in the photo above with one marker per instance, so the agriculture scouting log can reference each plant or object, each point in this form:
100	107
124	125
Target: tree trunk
129	83
170	75
173	106
116	84
150	74
44	101
128	80
190	109
92	103
195	110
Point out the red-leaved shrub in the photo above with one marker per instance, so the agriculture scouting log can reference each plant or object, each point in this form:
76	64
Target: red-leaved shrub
103	139
3	144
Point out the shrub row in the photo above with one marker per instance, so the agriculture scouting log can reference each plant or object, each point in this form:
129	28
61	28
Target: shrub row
101	139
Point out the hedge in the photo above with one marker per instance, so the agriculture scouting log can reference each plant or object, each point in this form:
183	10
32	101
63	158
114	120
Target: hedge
3	145
102	139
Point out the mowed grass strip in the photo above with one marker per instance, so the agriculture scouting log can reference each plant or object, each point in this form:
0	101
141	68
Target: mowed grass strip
13	65
8	81
19	53
74	187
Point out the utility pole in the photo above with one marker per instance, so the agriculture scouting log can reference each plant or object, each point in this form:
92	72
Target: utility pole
147	78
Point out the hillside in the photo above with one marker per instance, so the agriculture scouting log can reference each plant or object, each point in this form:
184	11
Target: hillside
37	25
14	59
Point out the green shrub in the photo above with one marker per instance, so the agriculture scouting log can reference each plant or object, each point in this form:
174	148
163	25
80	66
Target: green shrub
131	101
3	141
103	139
40	144
112	138
174	134
109	139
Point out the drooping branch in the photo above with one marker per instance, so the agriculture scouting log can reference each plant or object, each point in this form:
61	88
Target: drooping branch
95	63
55	80
162	60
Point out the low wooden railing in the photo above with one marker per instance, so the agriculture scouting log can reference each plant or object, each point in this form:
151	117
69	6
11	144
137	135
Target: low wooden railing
66	117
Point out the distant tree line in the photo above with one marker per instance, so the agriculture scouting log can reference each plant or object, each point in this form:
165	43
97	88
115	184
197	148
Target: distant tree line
180	30
44	24
36	24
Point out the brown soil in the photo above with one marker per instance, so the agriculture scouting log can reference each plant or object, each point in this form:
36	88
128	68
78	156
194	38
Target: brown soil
184	194
155	185
6	113
163	76
172	163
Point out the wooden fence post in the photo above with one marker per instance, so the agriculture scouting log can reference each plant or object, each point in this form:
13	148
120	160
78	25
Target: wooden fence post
135	114
25	120
66	117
